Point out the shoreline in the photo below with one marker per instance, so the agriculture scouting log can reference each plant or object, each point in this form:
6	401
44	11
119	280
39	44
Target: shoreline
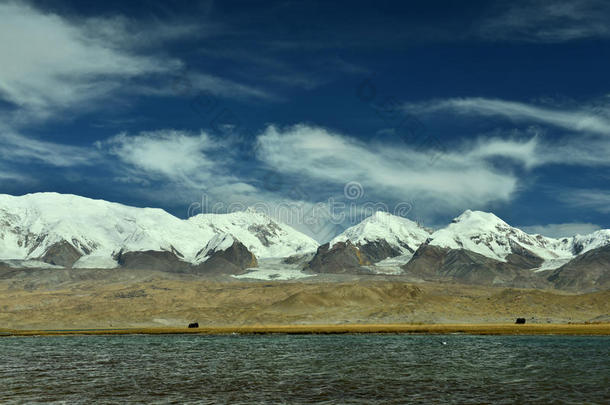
601	329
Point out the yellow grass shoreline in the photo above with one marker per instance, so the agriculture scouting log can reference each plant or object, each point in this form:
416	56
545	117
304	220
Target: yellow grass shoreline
471	329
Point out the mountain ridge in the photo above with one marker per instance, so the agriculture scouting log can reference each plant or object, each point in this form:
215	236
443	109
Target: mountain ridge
64	230
98	230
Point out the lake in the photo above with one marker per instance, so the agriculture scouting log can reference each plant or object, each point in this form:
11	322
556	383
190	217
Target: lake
304	369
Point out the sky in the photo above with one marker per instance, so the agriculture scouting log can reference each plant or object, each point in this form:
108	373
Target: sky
315	112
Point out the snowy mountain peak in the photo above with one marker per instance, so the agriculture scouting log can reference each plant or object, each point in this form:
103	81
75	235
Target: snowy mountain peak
261	234
486	234
399	232
253	210
584	243
479	220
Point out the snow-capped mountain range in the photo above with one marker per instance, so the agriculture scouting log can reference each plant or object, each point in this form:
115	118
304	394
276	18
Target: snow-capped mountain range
488	235
99	231
31	224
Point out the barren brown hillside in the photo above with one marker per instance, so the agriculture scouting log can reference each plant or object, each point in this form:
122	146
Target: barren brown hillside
65	299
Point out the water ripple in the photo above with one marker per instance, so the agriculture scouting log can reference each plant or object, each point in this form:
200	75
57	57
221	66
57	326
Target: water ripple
345	369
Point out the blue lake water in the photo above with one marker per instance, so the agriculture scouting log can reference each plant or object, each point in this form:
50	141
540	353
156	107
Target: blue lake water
294	369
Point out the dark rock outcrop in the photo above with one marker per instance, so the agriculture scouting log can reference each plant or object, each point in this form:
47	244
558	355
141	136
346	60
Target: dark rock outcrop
264	232
301	259
153	260
378	250
464	266
233	261
61	254
4	267
343	257
588	272
426	261
347	257
522	257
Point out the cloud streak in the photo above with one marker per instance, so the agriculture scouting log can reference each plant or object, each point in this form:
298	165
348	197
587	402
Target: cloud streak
51	63
20	149
562	230
592	199
387	172
584	143
573	120
547	21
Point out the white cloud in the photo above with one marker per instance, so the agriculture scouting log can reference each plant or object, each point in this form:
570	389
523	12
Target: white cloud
455	180
533	151
547	21
562	230
20	149
167	152
192	84
590	199
189	164
8	175
51	63
586	143
524	151
575	120
122	32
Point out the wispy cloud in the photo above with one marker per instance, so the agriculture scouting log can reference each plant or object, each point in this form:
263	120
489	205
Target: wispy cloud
583	140
167	152
525	151
191	161
319	156
562	230
574	120
20	149
531	150
275	67
51	63
194	83
547	21
8	175
181	164
592	199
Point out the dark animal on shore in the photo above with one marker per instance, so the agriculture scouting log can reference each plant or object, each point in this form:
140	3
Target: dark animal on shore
520	321
193	325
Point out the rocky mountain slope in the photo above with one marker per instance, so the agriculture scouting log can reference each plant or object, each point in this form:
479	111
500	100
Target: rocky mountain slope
464	266
589	271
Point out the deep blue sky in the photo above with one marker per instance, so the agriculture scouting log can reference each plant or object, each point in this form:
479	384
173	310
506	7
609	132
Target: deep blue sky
435	106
